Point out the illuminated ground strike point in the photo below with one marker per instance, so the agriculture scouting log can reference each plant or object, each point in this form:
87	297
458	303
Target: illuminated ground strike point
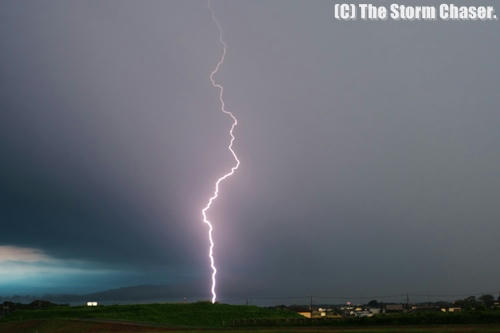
230	148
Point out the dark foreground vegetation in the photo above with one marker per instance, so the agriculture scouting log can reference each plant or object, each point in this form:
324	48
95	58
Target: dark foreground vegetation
399	319
47	317
71	326
74	326
200	314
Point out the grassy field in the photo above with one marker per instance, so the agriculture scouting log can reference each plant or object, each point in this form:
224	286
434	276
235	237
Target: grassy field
206	317
196	315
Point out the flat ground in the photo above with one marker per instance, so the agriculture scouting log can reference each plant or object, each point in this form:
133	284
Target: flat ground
193	315
78	326
206	317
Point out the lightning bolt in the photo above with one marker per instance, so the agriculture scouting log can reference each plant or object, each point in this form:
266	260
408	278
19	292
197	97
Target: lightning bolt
230	148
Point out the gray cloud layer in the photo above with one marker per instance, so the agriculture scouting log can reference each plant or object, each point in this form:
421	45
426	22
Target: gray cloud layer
369	151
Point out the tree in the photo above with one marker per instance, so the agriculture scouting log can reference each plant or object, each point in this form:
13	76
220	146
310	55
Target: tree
468	303
373	303
487	300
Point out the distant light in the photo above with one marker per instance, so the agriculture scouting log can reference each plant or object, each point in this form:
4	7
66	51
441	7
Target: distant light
91	303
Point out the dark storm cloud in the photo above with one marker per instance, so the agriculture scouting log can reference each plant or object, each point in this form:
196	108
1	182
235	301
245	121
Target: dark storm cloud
89	170
369	150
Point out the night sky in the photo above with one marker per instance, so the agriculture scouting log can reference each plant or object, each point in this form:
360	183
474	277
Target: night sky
369	152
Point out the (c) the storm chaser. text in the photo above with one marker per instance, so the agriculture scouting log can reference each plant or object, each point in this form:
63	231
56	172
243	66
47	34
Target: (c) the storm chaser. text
399	12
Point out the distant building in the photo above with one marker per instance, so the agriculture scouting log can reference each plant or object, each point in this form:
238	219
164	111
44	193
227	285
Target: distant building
394	308
363	314
426	308
451	309
307	314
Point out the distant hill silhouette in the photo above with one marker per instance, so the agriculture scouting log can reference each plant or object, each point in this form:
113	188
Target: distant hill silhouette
142	292
125	294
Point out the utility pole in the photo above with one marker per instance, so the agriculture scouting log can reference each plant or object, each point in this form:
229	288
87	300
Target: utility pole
407	302
311	308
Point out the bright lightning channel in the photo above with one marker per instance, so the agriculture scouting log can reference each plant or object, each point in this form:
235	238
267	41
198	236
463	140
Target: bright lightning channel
230	148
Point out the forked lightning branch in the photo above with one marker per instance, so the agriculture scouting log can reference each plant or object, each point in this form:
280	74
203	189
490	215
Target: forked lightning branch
230	148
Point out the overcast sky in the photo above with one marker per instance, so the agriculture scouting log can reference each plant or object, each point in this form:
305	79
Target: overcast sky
369	151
